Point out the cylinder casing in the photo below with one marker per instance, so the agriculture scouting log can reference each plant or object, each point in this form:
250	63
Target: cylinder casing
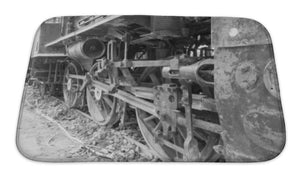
86	51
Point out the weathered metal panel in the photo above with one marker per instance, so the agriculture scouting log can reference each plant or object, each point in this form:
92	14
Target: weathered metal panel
247	91
227	32
46	33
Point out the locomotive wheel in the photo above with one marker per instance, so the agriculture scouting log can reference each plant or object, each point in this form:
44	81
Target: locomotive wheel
103	107
150	126
171	148
71	86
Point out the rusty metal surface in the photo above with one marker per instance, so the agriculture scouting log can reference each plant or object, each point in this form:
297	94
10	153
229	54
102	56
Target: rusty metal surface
190	72
80	31
227	32
46	33
86	51
206	94
246	91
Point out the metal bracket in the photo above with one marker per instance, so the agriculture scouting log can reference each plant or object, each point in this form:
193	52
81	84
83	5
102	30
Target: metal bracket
190	144
166	100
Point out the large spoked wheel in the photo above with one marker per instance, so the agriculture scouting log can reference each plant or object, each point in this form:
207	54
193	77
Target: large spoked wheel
71	86
171	147
150	128
103	107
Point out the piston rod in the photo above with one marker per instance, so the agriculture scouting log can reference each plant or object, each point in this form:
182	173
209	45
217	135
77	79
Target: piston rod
150	107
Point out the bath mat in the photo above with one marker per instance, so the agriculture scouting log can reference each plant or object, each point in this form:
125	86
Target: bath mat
151	89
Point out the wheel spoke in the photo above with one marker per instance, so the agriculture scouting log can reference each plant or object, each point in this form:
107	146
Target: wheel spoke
171	147
108	101
182	134
154	79
147	119
157	127
200	135
105	110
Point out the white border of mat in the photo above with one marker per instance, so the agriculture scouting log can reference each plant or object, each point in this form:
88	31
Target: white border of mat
19	21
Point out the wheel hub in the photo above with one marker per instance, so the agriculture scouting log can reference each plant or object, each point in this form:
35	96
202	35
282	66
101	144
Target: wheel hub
98	94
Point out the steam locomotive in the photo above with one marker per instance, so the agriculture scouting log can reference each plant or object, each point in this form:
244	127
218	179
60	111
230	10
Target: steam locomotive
202	88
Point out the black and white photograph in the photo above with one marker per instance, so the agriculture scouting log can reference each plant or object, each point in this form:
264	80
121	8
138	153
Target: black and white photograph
151	89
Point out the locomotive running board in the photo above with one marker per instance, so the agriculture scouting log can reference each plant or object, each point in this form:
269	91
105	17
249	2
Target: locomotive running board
151	88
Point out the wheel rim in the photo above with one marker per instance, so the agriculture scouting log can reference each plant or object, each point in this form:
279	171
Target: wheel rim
71	86
146	128
103	107
151	130
102	110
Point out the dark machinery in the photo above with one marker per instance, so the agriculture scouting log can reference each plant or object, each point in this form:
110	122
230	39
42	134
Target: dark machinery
188	79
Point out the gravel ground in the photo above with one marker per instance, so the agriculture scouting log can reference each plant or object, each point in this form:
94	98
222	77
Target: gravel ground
49	131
